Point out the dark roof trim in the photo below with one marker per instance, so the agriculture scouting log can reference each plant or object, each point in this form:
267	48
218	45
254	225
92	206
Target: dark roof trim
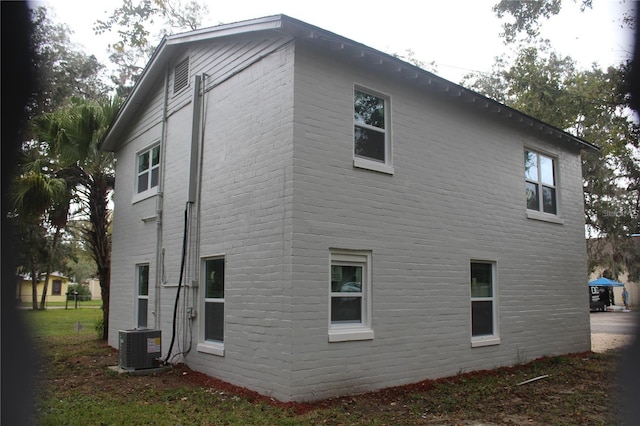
337	44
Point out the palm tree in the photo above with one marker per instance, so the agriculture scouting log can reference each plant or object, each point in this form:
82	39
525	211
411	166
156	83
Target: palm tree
40	201
73	135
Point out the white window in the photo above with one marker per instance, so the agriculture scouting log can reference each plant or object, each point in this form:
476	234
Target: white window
350	296
148	170
540	182
484	309
142	295
213	318
371	135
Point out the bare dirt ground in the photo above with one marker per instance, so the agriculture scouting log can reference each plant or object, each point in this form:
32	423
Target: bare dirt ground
601	342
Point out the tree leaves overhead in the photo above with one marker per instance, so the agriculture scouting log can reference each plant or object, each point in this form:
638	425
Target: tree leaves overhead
62	70
133	23
526	15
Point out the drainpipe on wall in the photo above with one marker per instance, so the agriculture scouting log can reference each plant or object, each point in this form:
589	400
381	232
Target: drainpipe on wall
160	204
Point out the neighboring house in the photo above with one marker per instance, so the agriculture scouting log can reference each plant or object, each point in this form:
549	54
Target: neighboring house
94	287
56	289
350	221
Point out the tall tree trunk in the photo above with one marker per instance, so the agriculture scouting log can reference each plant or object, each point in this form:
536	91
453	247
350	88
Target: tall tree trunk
34	285
100	239
54	247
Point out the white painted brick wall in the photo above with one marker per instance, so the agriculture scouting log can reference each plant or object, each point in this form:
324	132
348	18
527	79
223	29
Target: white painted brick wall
280	189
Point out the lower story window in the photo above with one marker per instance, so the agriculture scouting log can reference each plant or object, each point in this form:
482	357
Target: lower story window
142	295
214	300
484	326
57	288
350	296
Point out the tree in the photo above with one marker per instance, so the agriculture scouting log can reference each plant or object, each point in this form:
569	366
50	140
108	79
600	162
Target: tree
72	136
526	16
61	69
40	201
132	21
592	104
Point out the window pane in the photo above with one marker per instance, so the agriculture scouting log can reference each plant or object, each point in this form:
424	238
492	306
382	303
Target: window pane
143	280
546	170
143	162
532	196
142	312
154	177
368	109
549	200
481	318
369	143
214	321
346	309
143	182
481	280
155	156
214	277
530	165
346	279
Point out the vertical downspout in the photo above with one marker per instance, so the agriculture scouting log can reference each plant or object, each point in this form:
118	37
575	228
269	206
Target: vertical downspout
160	203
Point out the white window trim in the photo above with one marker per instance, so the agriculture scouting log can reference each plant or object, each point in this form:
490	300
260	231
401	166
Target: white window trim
151	191
210	346
363	330
541	214
369	164
489	339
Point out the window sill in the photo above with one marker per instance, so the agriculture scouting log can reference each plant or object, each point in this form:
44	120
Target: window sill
485	341
211	348
544	217
348	335
362	163
144	195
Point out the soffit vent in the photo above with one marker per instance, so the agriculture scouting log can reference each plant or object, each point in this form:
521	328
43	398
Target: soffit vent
181	76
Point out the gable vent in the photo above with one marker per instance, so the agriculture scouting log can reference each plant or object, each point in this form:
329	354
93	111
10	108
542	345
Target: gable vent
181	76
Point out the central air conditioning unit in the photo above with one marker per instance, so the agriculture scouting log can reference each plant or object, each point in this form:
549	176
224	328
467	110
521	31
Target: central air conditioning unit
139	349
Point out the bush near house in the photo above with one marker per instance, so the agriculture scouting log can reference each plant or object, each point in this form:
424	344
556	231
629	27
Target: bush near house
84	293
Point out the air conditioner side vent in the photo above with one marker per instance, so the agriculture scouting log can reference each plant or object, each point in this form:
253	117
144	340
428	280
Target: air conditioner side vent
139	349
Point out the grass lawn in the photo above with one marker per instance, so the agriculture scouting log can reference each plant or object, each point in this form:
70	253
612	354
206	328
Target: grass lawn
76	387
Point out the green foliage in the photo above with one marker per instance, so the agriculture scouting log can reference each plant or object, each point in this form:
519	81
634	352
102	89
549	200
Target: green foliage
592	104
526	15
84	293
61	70
133	21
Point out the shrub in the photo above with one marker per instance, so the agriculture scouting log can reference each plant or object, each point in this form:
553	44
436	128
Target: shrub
84	293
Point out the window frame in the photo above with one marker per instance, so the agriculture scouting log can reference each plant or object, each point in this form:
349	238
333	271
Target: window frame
494	337
351	331
139	297
150	190
363	162
56	287
214	347
539	213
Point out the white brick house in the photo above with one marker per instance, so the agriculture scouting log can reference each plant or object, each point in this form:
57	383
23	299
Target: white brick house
352	222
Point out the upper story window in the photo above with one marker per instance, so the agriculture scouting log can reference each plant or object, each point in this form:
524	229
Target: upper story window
371	141
181	76
540	182
148	169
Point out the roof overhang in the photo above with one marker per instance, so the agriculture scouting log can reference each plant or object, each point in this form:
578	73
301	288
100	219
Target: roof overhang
342	47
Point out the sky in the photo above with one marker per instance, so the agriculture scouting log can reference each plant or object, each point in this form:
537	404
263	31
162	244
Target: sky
461	36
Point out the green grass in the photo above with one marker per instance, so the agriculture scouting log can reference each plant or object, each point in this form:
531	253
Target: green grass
76	387
70	304
61	322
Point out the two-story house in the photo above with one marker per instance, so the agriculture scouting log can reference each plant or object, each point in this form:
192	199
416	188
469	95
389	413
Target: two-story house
324	218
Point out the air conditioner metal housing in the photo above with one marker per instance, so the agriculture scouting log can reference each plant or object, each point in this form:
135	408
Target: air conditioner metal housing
139	348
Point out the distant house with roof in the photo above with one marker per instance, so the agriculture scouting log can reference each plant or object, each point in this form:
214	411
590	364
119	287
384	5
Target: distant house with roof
57	287
328	219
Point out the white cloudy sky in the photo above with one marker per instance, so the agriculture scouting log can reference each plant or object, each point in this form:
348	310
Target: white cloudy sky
459	35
